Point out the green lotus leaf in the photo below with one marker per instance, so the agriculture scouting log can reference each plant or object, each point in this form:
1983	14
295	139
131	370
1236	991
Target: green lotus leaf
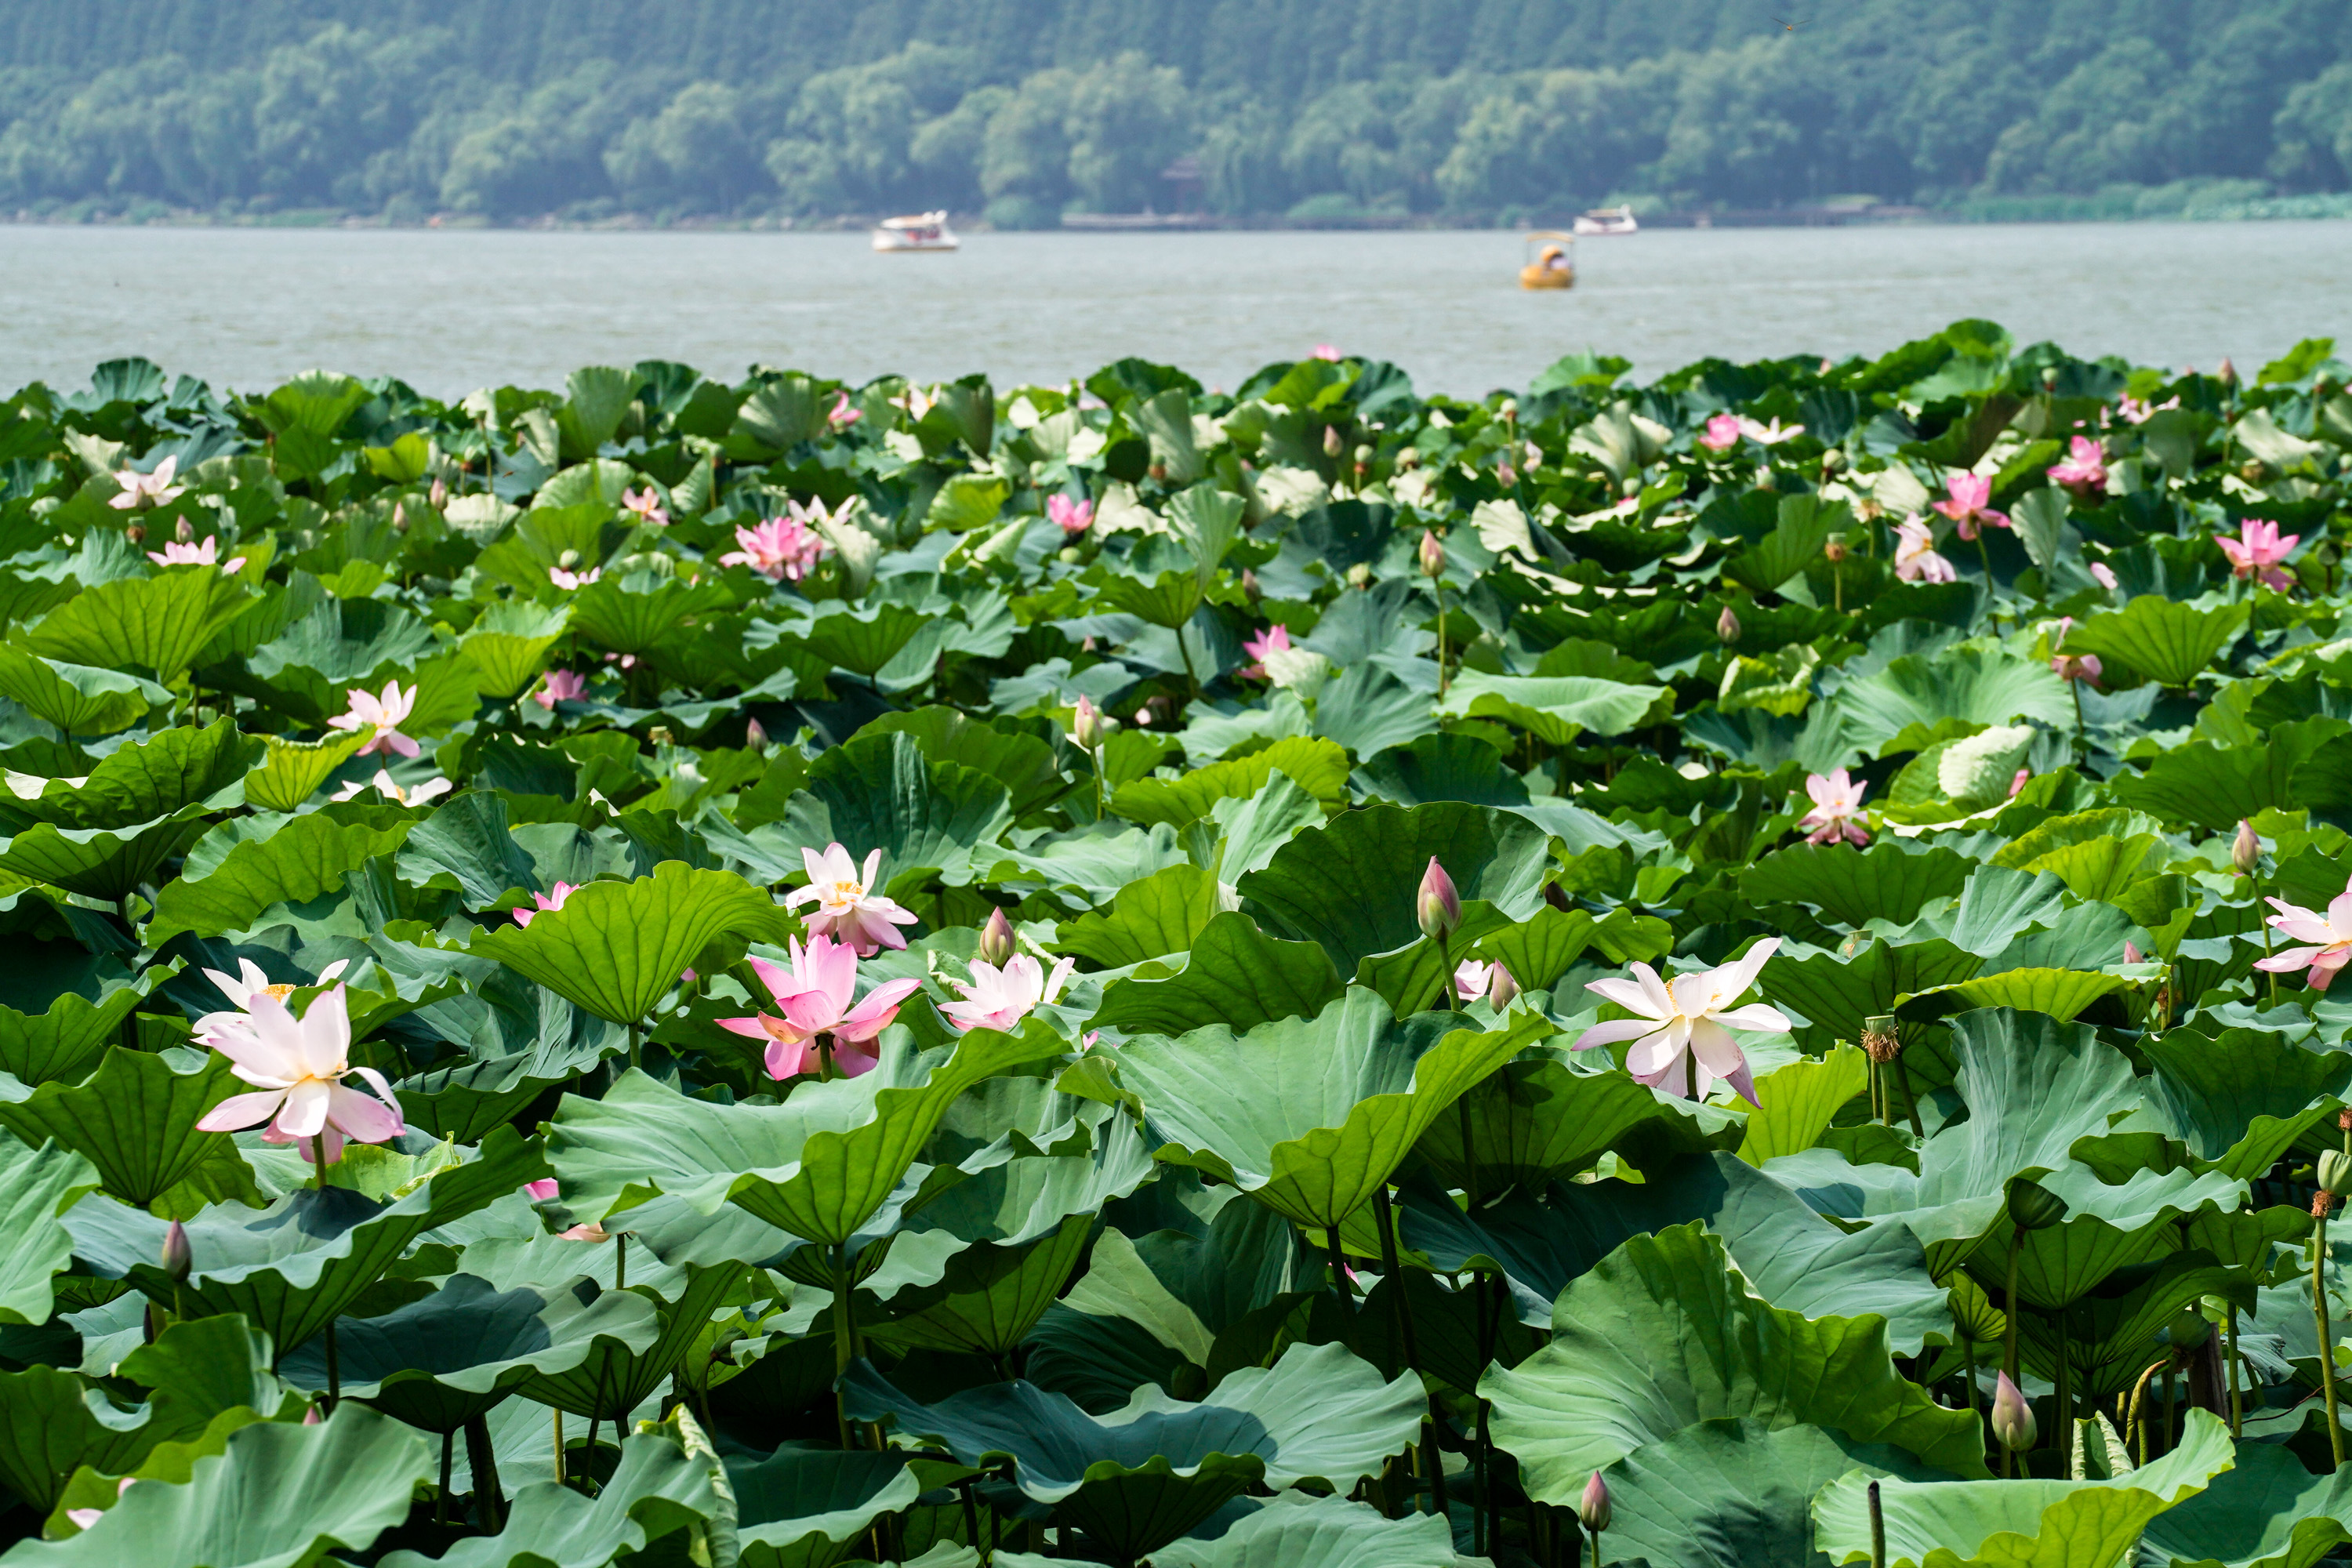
1234	973
2168	642
135	1121
2241	1099
879	793
99	862
1368	710
1557	708
1837	991
863	641
310	669
291	772
805	1508
1350	885
78	699
2216	787
1025	764
155	625
2021	1523
442	1361
2268	1512
242	867
1661	1335
1422	976
1448	766
1538	1119
1311	1115
1301	1531
1319	767
2062	994
2110	1338
469	845
819	1165
1803	524
1975	686
616	947
353	1474
1798	1102
84	1014
621	616
990	1296
509	644
1161	914
1141	1477
143	779
617	1373
1851	887
36	1186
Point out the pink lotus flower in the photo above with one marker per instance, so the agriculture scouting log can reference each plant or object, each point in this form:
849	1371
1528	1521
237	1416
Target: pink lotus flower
2066	665
147	490
385	785
2019	782
2085	471
1836	815
178	553
383	714
815	998
1915	560
2104	576
1967	507
561	685
1000	998
299	1066
540	1191
1471	978
1770	434
2138	413
1437	902
250	982
1072	516
847	910
572	581
1722	433
2329	934
782	549
1693	1015
546	903
1327	351
916	402
647	506
843	416
1272	639
2257	551
83	1518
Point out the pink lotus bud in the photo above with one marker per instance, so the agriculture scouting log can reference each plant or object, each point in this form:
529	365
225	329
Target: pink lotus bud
1250	588
438	496
178	1257
1592	1508
1507	474
1501	989
314	1416
755	735
2246	850
2019	782
2013	1418
1085	724
2133	955
1332	441
1432	556
996	940
1437	908
2228	375
541	1190
1726	625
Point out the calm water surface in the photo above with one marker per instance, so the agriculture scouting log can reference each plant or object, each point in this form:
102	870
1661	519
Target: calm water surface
451	310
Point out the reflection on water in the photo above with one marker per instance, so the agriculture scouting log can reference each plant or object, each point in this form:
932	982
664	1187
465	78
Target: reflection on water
450	310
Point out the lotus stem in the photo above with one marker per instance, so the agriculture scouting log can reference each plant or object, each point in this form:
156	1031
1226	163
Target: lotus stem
1433	1453
1447	1001
2081	744
2265	925
448	1472
2134	1413
334	1371
1877	1529
558	1447
483	1460
1340	1270
1910	1100
2009	1346
620	1260
845	1332
2319	1315
1441	678
319	1162
2167	1406
636	1042
2237	1404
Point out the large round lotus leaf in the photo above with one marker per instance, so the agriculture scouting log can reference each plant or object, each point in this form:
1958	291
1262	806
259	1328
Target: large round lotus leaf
1295	1531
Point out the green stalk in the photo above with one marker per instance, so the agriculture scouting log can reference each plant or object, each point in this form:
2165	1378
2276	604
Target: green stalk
483	1460
1433	1456
2319	1315
2257	874
2081	745
1877	1529
1439	587
844	1334
2237	1405
2009	1348
319	1162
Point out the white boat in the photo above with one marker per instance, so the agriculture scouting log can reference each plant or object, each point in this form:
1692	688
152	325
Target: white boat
1607	220
923	231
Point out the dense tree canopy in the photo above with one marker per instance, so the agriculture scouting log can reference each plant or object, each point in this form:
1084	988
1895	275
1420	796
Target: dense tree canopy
1472	109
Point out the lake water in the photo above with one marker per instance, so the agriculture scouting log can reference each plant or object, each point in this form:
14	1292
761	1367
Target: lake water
452	309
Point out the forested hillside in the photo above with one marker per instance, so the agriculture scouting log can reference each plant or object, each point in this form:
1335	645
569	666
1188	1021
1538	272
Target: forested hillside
1476	109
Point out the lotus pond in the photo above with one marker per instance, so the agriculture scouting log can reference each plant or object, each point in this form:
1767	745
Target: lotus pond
1729	972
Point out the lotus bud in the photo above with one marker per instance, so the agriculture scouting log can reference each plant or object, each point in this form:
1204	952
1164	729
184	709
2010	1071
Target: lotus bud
1834	549
2336	1173
1506	474
1432	556
2132	954
1592	1508
399	519
755	735
569	560
1360	575
1250	588
2013	1418
1364	456
1508	410
1880	1039
1437	908
2228	375
178	1259
438	496
2032	1207
314	1416
1834	461
2246	849
1332	443
996	940
136	534
1501	989
1085	724
1727	627
184	532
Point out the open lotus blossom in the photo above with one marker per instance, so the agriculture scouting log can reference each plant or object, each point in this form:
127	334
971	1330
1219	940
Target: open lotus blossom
848	907
1836	815
2103	575
2135	412
179	552
1693	1016
1471	978
841	416
2071	666
1272	639
2085	471
917	401
2257	551
572	581
384	714
561	685
782	549
297	1066
1072	516
1966	505
1327	351
250	982
2328	938
383	784
1770	434
545	902
1915	560
647	506
998	998
813	997
1722	433
147	490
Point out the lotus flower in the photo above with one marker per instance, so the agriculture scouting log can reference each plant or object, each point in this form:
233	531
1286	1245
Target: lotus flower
841	416
1915	560
546	903
572	581
1722	433
1770	434
297	1067
249	982
917	401
1000	998
1593	1509
385	785
541	1190
384	714
2104	576
2069	667
815	998
846	911
2085	471
1471	978
2257	551
1436	906
561	685
1966	506
647	506
147	490
2137	412
1327	351
1836	816
1694	1014
2013	1418
2245	849
2330	936
1072	516
782	549
180	553
1085	723
1272	639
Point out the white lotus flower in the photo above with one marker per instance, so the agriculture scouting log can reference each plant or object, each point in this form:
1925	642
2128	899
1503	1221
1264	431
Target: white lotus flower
1692	1013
